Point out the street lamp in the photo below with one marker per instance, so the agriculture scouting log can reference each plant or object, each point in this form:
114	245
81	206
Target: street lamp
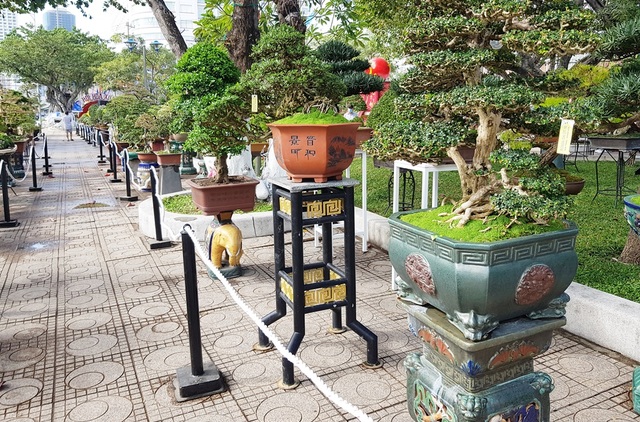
131	44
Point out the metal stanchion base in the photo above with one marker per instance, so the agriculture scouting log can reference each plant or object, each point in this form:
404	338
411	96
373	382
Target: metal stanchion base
32	189
9	223
115	180
129	198
190	387
47	173
159	244
102	161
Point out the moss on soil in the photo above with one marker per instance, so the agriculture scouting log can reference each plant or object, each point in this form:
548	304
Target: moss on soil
493	230
315	117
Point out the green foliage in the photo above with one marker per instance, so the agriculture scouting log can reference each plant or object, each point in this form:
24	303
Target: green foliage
6	141
287	77
125	72
204	69
123	111
383	111
343	62
205	107
17	112
469	73
475	231
415	142
62	61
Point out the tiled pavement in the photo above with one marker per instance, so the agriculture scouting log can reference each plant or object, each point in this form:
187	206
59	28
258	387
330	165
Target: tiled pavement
93	326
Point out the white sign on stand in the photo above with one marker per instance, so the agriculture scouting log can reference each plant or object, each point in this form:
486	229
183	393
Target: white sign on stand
564	139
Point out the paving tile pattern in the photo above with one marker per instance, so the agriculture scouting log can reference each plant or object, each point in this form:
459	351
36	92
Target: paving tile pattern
93	324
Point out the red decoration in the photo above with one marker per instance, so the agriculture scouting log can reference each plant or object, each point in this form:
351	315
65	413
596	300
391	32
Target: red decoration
379	67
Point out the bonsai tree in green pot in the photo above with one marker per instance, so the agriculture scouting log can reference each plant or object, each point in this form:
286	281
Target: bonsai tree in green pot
470	77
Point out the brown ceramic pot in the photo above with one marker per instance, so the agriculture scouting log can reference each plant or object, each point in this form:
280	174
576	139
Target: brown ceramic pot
213	198
573	188
147	157
314	152
157	144
180	137
169	159
364	134
20	145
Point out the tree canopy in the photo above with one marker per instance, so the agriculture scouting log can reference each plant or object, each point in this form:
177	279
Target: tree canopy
125	72
62	61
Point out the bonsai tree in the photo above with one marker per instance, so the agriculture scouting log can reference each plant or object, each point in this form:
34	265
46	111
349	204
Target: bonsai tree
17	112
287	77
201	86
343	62
474	69
122	112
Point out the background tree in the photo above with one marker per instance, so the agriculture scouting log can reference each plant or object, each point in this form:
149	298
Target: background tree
164	16
62	61
125	73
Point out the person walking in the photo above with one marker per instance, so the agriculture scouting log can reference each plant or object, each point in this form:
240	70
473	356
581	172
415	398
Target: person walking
67	122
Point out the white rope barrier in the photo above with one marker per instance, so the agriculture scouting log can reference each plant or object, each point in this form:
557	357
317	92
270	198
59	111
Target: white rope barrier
308	372
26	173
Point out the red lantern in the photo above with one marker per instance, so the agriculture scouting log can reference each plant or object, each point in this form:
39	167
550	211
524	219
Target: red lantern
379	67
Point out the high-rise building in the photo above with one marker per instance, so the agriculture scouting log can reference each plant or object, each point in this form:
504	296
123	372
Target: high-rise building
58	18
8	22
143	23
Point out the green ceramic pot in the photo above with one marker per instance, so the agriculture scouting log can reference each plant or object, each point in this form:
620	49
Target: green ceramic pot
631	213
478	285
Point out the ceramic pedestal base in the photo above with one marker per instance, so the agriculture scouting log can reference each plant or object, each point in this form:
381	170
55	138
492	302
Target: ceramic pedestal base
169	179
490	380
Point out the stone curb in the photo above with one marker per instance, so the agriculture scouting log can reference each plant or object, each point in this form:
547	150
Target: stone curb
253	224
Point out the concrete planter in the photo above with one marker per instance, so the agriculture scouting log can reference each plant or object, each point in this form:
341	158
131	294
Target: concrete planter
479	285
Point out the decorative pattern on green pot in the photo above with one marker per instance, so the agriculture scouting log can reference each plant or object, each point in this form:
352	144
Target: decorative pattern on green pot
632	211
477	285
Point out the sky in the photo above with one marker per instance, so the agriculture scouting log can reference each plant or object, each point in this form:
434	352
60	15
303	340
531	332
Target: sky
103	24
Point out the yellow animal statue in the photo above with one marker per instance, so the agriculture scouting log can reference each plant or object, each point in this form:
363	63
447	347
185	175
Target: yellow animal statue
227	237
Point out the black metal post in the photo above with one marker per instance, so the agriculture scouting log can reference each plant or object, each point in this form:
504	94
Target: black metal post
158	243
114	162
35	187
46	171
193	315
8	222
127	177
101	157
196	380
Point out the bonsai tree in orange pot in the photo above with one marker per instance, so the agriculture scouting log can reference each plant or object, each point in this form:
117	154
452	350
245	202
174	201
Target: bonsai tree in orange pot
289	78
201	84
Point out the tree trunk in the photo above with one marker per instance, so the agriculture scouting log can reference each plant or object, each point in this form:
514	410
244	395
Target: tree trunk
631	252
167	23
289	13
244	33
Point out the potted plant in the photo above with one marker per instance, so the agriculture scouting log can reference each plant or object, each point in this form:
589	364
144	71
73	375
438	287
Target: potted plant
202	84
459	95
283	89
316	145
